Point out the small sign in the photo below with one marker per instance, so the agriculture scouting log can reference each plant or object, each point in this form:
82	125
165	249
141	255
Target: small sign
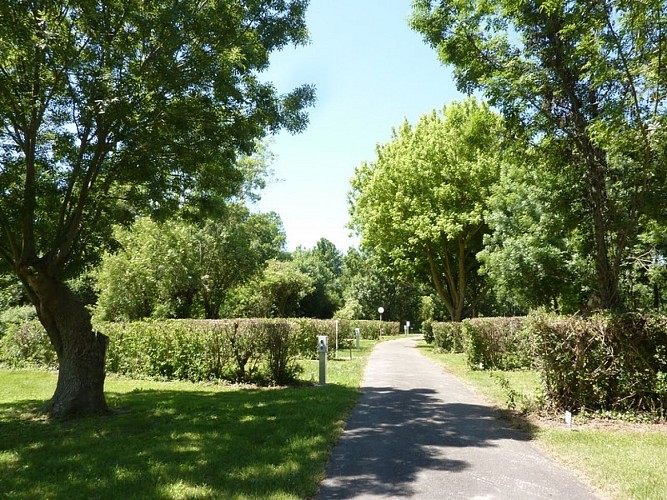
568	418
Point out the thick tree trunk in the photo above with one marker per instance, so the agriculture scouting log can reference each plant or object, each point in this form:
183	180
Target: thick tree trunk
81	352
606	273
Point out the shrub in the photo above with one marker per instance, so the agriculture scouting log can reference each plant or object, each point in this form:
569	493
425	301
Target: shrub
427	331
281	351
615	363
447	336
242	350
26	344
14	316
370	328
497	343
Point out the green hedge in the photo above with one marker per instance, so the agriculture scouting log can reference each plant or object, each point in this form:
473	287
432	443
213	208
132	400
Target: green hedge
498	343
244	350
616	363
447	336
26	344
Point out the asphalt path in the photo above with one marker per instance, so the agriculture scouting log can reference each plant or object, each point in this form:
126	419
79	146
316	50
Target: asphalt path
418	432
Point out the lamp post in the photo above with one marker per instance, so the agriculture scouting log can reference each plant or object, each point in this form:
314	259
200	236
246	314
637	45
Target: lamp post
380	311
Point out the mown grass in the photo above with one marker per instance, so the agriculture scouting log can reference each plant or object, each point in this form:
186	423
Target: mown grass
176	439
621	460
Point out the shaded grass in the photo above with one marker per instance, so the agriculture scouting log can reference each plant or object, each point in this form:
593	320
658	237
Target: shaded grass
175	440
622	460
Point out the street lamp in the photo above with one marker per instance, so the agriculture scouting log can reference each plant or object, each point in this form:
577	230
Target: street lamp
380	311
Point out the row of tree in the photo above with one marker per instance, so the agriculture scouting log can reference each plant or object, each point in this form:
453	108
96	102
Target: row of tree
238	267
234	265
556	201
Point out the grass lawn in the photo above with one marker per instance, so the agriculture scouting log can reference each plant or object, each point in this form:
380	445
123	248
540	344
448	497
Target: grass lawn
622	460
176	439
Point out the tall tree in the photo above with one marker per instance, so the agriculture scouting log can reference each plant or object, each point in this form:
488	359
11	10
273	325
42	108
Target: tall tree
587	80
531	257
324	264
109	108
421	205
367	286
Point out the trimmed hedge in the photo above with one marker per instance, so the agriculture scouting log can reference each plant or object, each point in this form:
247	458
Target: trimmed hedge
242	350
26	344
616	363
498	343
447	336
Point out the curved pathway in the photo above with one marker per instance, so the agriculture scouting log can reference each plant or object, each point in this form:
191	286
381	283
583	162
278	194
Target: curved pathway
417	432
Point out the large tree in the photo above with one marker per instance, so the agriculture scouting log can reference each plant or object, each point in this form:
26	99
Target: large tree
421	204
109	108
324	264
531	257
585	80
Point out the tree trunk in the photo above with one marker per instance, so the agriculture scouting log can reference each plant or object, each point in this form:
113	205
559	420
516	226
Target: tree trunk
606	273
81	352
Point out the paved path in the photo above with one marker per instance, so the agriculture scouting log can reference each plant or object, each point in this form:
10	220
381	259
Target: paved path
417	432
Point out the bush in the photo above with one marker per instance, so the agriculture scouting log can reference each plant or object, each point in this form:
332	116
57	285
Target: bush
615	363
497	343
427	331
281	351
15	316
241	350
200	350
26	343
447	336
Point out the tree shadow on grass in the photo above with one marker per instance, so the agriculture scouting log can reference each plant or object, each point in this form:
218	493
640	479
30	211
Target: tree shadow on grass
165	444
394	434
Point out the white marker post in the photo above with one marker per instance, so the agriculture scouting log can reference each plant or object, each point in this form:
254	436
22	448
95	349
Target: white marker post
322	348
336	339
568	419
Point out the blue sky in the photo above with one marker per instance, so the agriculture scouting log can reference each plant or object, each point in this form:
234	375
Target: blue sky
371	71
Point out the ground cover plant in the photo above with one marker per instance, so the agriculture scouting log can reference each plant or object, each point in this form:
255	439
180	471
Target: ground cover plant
177	439
622	459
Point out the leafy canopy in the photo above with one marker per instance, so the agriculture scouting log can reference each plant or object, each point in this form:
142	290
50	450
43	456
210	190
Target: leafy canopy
421	205
112	108
585	81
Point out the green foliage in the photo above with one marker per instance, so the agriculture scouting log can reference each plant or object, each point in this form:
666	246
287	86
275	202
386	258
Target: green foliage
324	265
497	343
16	315
580	82
447	336
368	284
529	257
261	351
26	344
11	292
113	126
238	350
613	363
420	205
275	292
179	269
